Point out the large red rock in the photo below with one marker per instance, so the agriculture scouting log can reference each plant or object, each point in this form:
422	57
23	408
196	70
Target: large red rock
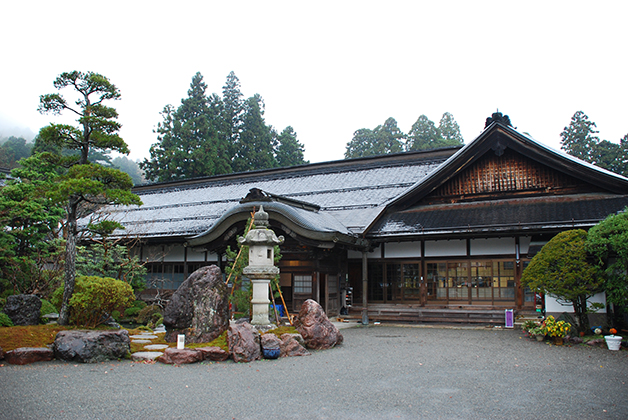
290	346
25	355
317	330
174	356
244	342
215	354
199	308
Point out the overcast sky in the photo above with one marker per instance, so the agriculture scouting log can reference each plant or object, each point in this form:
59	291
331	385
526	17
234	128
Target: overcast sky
328	68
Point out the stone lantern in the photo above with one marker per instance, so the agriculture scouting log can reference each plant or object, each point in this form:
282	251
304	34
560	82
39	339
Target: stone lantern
261	268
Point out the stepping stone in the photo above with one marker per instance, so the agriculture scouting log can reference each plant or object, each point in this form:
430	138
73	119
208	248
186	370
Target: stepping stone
141	341
144	336
156	347
145	355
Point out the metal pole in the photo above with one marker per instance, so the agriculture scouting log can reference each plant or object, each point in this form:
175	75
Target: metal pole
365	310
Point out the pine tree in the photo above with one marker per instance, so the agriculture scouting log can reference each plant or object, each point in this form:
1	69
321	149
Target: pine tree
83	184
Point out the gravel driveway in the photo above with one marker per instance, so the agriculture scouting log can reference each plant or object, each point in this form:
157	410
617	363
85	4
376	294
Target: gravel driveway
380	372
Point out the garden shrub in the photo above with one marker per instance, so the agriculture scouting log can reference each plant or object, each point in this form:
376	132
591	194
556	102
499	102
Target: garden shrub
47	308
156	319
5	321
95	298
116	315
140	304
146	314
131	312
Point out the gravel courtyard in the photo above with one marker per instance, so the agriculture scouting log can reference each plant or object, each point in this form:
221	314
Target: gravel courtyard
380	372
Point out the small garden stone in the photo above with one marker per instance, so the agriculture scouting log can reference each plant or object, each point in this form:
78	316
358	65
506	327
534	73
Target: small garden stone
26	355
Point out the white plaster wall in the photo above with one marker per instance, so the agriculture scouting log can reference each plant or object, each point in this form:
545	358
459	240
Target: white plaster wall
456	247
174	253
377	253
552	304
402	250
493	246
196	255
524	244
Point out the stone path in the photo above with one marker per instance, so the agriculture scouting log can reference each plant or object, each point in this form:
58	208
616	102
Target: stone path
152	350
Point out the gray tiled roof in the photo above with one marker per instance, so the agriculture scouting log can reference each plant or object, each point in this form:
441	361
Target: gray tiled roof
522	214
351	192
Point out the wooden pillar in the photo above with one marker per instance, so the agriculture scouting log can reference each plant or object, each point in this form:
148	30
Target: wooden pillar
365	310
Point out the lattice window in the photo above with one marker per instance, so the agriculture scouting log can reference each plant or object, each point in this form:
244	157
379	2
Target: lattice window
510	172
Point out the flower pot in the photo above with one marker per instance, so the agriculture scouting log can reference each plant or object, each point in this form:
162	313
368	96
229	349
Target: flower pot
271	353
613	342
539	337
558	341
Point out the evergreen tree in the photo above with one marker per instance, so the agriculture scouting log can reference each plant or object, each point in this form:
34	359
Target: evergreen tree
210	135
579	138
384	139
389	138
83	185
12	150
232	112
424	135
129	167
450	131
289	151
362	144
256	145
189	142
562	269
30	248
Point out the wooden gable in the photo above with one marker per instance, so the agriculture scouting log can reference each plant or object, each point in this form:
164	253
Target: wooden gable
505	174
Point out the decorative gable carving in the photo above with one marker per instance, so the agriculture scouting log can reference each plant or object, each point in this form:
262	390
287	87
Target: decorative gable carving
505	173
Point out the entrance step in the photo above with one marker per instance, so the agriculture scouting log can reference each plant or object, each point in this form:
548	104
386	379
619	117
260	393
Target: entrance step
418	314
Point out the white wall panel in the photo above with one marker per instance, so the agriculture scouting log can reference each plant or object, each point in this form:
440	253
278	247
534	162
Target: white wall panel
456	247
524	244
552	305
493	246
402	250
377	253
195	255
174	253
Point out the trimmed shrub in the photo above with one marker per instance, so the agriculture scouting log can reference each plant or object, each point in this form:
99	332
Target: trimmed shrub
47	308
140	304
95	298
147	314
116	315
5	321
131	312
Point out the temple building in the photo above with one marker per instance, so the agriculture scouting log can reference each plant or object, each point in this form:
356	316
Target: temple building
437	235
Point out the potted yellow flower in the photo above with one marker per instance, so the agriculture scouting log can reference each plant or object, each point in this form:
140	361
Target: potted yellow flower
556	329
